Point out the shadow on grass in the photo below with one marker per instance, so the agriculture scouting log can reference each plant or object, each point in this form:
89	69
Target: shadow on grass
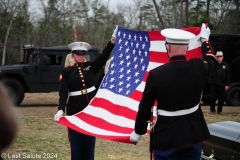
37	105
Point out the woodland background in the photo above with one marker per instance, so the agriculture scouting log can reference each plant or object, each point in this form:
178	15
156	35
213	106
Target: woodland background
60	22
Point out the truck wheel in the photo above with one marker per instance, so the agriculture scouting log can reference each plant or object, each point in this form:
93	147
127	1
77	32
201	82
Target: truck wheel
15	90
233	97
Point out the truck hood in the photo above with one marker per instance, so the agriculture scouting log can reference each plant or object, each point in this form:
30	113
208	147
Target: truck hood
14	66
18	69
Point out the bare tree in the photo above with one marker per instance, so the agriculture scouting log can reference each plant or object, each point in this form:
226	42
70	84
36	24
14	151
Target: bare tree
73	18
158	13
208	8
10	9
181	14
186	12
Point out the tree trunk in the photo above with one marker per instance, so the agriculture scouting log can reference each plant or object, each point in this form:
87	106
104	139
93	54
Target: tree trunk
237	9
208	7
158	14
181	15
237	5
186	13
197	12
26	5
5	41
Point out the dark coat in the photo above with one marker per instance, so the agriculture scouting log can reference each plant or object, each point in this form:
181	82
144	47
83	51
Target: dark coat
221	76
71	80
175	86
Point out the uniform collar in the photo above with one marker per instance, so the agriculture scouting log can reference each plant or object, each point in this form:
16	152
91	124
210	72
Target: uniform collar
178	58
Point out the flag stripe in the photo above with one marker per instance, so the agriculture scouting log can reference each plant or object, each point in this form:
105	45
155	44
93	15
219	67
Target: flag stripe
116	110
118	138
103	124
76	121
158	57
156	36
124	101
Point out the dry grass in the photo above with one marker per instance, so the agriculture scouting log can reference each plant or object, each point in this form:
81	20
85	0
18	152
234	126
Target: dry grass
39	134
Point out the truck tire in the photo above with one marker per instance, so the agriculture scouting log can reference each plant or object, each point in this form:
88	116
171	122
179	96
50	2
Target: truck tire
233	96
15	90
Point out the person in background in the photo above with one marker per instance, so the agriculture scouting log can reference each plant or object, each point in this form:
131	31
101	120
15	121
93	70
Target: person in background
180	128
8	120
59	62
219	83
77	81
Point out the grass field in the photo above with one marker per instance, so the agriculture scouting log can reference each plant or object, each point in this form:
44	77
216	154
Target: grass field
39	137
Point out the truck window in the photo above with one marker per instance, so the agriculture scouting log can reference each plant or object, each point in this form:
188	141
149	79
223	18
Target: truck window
59	60
88	57
91	56
36	57
54	59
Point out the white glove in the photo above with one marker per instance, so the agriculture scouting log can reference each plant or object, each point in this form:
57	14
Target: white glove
115	32
205	31
135	137
58	115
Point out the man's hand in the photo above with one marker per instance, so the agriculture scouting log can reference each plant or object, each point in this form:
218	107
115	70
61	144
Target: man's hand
226	88
205	32
113	40
58	115
135	137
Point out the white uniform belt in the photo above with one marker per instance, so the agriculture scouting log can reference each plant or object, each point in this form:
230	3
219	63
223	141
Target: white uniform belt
84	91
177	113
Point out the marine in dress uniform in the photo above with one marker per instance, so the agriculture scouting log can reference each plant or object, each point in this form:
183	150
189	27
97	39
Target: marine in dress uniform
177	87
218	83
77	81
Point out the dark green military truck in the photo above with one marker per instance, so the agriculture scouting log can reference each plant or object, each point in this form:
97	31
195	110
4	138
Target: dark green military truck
39	71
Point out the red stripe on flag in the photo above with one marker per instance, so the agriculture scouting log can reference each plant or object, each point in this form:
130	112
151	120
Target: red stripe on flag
137	95
155	36
65	122
114	108
195	53
145	77
105	125
159	57
194	30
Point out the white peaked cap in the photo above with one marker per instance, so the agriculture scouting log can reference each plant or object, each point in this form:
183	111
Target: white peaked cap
177	36
79	46
219	53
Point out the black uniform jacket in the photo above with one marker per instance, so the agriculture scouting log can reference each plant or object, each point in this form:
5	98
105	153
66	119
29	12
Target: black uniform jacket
71	80
176	85
221	76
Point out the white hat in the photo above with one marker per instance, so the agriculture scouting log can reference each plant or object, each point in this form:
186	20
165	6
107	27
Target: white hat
79	47
219	53
177	36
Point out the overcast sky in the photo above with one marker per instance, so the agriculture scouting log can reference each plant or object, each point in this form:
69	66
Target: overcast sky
35	5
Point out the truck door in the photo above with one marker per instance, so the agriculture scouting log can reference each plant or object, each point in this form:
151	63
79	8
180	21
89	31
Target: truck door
52	65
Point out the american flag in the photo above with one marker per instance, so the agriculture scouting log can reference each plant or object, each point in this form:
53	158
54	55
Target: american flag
111	113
